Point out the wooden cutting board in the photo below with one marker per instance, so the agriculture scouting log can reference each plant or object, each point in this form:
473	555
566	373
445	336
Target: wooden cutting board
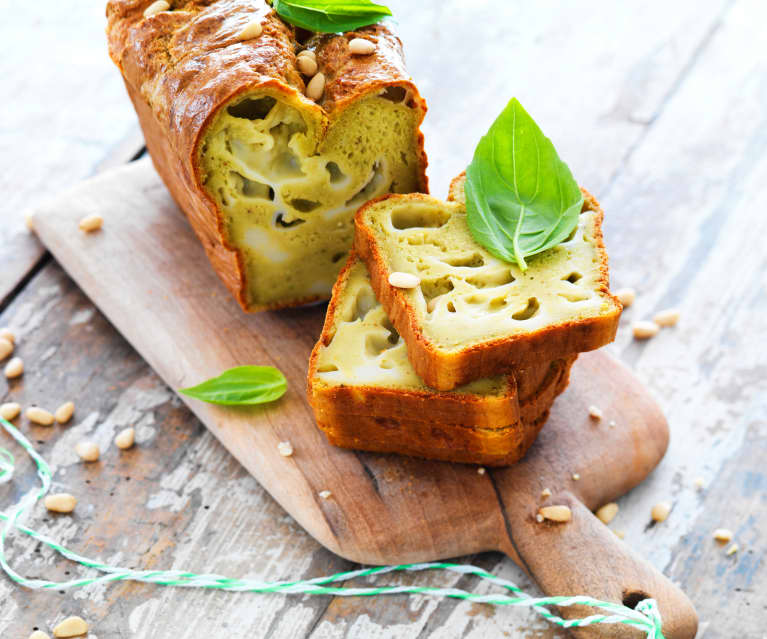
146	271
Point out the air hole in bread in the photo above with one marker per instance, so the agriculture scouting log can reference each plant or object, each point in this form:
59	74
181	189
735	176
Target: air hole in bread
375	186
252	108
497	303
473	261
327	368
377	344
573	277
475	299
363	302
305	206
280	221
451	307
337	257
414	216
252	188
498	278
529	311
394	94
435	288
575	296
336	174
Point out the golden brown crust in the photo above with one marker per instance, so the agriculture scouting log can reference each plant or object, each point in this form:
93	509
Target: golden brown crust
445	371
446	442
182	65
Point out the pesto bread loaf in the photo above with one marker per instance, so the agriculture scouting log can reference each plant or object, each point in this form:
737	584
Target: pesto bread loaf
470	315
366	395
269	178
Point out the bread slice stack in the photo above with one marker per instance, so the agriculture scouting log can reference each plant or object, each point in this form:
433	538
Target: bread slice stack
465	365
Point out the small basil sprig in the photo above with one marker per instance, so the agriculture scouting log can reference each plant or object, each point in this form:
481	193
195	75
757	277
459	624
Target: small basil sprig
330	16
521	199
240	386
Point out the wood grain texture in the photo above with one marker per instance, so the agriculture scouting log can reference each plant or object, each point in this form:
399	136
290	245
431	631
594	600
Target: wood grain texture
64	110
659	109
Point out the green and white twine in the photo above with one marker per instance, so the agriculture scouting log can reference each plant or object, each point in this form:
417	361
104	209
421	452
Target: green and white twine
646	617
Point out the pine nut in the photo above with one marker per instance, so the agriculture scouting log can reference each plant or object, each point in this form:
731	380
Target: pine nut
732	549
71	626
360	46
556	513
64	412
39	416
91	223
125	438
88	451
545	493
310	53
399	279
325	494
285	449
595	412
644	329
626	296
660	511
539	518
155	8
38	634
316	87
60	503
723	534
576	477
607	512
10	410
307	65
612	423
6	348
7	333
14	368
699	483
251	30
669	317
480	471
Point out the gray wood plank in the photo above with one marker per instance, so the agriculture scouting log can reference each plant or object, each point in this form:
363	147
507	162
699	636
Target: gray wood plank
64	111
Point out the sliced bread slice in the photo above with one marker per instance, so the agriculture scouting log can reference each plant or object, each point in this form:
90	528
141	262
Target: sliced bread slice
472	315
366	395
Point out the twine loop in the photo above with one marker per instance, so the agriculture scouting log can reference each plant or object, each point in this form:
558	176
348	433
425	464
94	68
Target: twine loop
646	617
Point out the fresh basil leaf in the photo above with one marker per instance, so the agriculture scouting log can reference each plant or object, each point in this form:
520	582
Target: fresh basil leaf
521	199
242	385
330	16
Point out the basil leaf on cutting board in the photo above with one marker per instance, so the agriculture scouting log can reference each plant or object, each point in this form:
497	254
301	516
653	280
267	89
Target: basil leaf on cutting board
521	199
330	16
241	386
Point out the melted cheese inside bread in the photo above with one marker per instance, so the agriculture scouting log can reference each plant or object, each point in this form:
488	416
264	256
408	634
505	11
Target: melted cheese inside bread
288	190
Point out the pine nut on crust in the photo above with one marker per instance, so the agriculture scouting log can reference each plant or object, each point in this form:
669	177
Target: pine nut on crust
7	333
307	65
14	368
70	627
285	449
595	412
155	8
38	634
360	46
723	535
64	412
251	30
60	503
398	279
316	87
644	329
39	416
6	348
556	513
10	410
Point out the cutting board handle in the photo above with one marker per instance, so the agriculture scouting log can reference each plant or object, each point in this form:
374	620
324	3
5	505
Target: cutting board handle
584	557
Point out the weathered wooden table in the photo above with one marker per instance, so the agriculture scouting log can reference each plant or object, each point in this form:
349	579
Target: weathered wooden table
659	108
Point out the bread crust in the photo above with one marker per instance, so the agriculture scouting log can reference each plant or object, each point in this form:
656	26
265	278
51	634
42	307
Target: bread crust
446	442
181	66
445	371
